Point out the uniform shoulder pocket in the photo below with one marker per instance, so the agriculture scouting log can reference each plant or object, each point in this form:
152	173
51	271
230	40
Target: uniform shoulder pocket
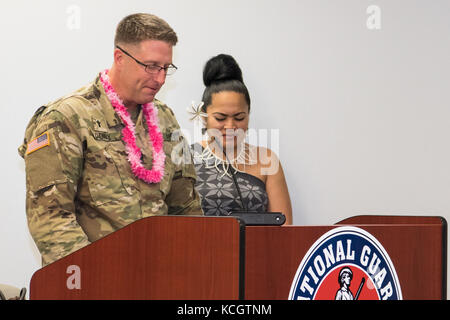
43	162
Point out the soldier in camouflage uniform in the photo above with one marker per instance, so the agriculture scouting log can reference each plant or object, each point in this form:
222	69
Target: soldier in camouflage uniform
80	186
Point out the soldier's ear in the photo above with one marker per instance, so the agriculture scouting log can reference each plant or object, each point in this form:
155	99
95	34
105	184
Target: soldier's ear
118	56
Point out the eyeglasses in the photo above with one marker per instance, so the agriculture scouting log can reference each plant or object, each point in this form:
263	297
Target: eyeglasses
152	68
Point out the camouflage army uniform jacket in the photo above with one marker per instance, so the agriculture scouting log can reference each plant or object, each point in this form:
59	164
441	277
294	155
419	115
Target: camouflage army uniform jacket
79	182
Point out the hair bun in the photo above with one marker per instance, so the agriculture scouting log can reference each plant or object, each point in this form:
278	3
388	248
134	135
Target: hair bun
220	68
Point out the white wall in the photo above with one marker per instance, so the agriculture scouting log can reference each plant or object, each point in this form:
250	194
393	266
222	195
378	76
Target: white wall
362	114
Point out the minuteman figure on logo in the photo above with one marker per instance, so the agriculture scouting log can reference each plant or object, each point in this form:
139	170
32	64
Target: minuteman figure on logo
344	279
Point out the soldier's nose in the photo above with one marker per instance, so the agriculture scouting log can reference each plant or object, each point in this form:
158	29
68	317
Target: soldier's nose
160	77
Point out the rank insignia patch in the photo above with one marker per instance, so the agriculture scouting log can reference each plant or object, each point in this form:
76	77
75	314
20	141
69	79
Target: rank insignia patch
346	263
38	142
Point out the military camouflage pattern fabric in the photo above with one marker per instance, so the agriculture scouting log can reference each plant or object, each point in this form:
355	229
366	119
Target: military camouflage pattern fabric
80	186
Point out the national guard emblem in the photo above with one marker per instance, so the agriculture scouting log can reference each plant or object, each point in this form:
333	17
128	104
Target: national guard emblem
346	263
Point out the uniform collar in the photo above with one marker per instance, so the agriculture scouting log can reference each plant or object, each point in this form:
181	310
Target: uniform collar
111	117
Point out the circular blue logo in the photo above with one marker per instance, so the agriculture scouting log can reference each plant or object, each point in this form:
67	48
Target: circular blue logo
346	263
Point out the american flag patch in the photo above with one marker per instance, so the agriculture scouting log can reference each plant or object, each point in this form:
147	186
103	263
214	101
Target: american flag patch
39	142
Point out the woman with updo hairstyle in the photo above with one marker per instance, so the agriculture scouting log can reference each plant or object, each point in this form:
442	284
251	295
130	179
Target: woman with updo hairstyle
224	150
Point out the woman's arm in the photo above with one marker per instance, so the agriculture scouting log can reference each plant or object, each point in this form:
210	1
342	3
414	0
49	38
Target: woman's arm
276	187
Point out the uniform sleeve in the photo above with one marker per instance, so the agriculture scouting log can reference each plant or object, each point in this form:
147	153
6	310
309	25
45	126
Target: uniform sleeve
53	168
183	197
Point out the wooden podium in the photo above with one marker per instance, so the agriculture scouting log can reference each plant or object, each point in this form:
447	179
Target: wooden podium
218	258
164	257
417	247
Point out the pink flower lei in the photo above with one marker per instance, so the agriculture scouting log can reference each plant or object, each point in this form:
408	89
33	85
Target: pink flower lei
129	135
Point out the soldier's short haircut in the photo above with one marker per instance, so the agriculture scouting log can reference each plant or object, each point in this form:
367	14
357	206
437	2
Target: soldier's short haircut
138	27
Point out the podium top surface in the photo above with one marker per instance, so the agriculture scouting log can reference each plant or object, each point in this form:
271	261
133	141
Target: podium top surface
391	219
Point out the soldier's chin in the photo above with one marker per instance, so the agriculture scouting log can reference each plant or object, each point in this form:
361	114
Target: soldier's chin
145	99
145	96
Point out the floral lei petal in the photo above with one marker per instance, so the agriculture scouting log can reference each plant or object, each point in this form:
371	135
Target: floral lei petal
156	141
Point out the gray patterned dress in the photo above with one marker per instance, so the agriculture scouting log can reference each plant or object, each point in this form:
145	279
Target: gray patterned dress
217	191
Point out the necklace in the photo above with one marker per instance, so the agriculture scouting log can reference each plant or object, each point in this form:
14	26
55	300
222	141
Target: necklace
129	135
245	156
